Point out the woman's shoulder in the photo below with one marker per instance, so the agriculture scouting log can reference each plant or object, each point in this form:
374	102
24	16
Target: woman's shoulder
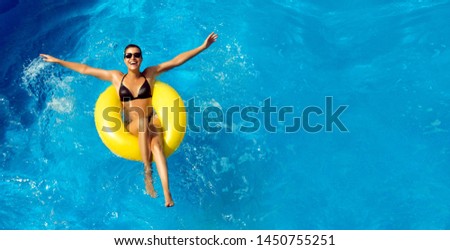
117	73
116	77
149	72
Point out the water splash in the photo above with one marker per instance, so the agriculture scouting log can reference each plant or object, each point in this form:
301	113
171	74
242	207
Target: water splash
49	90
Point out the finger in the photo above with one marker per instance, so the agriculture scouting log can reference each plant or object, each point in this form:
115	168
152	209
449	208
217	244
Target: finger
212	34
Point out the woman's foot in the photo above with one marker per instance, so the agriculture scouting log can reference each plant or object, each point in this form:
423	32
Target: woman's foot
169	200
149	184
149	187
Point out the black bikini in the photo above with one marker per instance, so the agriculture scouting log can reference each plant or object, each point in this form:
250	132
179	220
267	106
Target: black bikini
145	91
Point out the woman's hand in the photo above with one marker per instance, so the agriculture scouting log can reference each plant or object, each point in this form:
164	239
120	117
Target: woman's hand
49	58
181	58
210	40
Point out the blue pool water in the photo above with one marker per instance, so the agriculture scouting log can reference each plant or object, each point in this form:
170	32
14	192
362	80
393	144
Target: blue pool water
388	61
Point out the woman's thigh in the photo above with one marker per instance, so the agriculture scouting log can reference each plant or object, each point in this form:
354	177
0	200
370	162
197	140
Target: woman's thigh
133	127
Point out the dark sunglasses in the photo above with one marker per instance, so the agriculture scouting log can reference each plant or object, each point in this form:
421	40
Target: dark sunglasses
129	55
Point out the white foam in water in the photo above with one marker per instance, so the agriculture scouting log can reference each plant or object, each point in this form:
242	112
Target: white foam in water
37	79
61	105
31	74
33	70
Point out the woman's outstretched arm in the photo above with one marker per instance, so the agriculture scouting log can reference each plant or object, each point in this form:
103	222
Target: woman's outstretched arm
106	75
183	57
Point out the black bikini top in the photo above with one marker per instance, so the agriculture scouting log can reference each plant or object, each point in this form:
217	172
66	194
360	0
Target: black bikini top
145	91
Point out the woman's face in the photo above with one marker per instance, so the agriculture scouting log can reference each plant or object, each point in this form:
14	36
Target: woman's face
133	58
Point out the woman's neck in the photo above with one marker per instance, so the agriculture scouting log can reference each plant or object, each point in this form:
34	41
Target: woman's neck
134	73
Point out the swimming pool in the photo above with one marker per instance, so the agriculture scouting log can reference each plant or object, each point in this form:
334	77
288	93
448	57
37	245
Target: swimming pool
387	62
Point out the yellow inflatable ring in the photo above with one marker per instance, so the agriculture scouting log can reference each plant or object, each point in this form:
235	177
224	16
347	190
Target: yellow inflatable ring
108	120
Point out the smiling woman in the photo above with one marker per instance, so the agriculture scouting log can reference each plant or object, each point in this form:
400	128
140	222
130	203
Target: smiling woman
110	125
135	90
390	172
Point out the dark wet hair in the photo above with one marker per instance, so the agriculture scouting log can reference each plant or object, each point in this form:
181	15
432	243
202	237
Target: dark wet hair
132	46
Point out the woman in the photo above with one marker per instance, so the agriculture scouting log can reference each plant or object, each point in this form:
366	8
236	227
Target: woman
135	89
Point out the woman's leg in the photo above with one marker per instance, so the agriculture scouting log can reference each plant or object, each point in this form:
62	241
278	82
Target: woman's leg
143	138
156	147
